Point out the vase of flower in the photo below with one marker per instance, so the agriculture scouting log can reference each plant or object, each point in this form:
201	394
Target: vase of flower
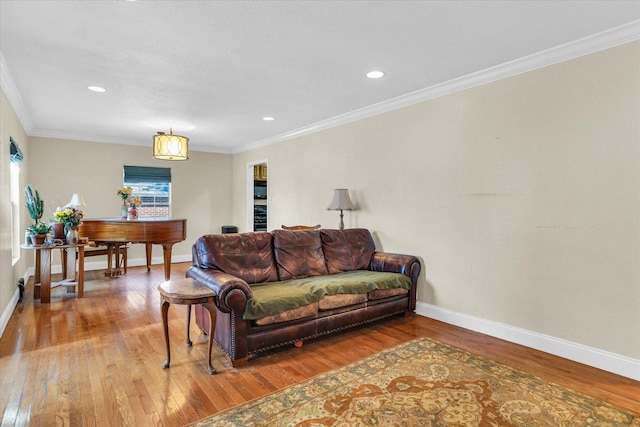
72	235
57	230
133	212
71	217
124	194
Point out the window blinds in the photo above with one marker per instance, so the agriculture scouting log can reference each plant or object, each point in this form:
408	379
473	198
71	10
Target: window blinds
135	174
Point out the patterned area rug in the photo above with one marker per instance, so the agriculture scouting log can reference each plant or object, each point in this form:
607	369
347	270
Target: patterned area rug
424	383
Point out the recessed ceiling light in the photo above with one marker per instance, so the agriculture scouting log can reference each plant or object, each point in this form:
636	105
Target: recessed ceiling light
268	119
97	89
375	74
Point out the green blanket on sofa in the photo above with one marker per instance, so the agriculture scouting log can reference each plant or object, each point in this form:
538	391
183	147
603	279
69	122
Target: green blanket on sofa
277	297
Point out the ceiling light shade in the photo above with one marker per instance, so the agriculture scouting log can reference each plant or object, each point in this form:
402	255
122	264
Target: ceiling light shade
375	74
170	147
341	202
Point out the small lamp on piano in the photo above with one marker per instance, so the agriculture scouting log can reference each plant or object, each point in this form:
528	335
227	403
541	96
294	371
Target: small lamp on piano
170	147
76	201
341	202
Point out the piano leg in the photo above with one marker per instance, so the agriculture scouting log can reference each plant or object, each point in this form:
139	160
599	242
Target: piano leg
109	254
166	249
116	251
147	249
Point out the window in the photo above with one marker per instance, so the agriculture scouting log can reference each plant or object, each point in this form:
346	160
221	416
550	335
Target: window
15	211
153	186
15	158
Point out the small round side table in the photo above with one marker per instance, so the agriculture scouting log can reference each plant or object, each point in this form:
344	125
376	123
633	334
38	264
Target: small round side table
187	292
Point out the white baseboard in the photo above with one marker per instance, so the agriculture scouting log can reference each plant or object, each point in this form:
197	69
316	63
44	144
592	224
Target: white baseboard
131	262
611	362
8	311
102	265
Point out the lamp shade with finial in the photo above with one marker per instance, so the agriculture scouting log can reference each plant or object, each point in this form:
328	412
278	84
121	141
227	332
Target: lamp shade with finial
341	202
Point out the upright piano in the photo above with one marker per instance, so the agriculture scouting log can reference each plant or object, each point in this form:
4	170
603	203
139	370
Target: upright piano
150	231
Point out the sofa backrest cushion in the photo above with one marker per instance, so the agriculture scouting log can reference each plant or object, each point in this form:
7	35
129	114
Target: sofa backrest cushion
347	250
248	256
298	254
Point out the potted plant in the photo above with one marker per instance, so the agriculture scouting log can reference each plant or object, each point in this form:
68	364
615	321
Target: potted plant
35	205
38	232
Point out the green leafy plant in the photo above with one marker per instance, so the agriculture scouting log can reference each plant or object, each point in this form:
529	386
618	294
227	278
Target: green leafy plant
38	228
35	205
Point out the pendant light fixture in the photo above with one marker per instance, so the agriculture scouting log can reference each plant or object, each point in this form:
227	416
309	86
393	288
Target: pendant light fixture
170	147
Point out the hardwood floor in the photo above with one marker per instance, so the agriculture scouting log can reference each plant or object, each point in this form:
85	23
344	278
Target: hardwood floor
98	360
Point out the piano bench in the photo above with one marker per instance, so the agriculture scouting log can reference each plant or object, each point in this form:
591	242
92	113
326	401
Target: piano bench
93	249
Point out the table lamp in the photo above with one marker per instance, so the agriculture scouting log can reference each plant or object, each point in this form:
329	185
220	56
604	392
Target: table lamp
341	202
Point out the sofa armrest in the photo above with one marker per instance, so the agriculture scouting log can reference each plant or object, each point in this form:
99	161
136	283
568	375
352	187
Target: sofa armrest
232	292
396	263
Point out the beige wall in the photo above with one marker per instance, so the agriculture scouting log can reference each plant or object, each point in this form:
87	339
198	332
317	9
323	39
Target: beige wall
9	272
200	187
522	197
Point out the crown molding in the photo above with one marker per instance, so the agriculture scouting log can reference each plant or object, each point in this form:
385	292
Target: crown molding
15	99
47	133
604	40
600	41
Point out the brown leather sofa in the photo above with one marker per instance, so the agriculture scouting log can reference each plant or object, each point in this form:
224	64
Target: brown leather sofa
347	278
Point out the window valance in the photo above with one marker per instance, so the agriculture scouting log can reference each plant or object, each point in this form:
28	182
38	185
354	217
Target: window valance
15	155
146	174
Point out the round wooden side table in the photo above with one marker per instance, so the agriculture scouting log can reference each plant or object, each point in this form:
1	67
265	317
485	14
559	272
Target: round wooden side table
187	292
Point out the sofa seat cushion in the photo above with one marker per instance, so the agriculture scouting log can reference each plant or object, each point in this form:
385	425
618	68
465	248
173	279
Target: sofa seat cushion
277	297
309	310
385	293
329	302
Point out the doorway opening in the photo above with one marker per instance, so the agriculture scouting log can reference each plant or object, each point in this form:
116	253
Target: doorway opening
258	195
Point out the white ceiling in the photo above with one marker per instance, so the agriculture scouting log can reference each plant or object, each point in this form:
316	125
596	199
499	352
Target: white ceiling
223	65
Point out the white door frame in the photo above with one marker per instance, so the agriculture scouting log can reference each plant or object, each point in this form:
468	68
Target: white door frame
250	166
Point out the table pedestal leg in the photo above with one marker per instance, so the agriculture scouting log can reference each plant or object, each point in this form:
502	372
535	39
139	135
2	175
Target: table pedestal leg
45	276
189	343
36	276
70	267
165	324
211	308
80	274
